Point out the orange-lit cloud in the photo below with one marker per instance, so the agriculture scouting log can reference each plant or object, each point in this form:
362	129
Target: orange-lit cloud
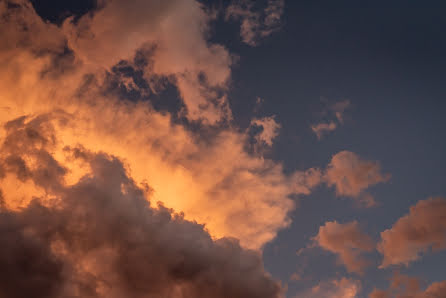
347	241
100	237
81	169
213	181
179	53
270	129
337	288
414	234
403	286
351	176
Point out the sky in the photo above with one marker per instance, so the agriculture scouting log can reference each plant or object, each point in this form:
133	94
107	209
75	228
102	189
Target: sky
199	148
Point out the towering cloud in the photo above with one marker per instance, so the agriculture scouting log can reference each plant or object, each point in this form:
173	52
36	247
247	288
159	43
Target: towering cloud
414	234
100	237
351	175
47	69
347	241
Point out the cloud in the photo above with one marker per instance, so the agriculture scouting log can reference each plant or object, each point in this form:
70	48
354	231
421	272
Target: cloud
335	111
181	54
337	288
403	286
436	289
295	277
339	109
347	241
414	234
100	237
254	25
270	129
321	128
379	294
213	179
351	175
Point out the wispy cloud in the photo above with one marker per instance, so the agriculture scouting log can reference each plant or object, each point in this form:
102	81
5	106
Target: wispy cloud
256	25
336	112
270	129
336	288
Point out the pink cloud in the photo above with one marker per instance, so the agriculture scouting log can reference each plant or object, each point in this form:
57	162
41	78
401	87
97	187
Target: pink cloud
337	288
403	286
414	234
270	129
347	241
351	176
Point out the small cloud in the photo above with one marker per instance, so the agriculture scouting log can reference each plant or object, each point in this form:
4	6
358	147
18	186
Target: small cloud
322	128
414	234
351	176
339	109
347	241
295	277
335	111
270	129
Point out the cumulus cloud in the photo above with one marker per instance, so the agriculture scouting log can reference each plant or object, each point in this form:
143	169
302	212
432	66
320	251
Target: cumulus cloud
254	25
337	288
351	176
336	112
200	70
213	180
100	237
414	234
347	241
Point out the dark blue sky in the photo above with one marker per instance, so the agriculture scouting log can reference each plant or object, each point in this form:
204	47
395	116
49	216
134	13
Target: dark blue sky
388	59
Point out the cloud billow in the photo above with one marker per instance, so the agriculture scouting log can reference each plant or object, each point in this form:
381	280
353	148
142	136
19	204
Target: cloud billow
100	237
